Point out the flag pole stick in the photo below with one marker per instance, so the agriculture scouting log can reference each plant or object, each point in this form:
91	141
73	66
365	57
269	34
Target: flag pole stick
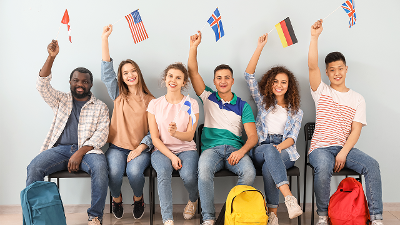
58	31
203	27
271	30
331	13
119	20
180	109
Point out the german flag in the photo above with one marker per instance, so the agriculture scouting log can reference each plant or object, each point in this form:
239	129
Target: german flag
286	33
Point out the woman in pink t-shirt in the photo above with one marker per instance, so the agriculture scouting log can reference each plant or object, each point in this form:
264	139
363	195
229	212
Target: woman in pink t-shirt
172	123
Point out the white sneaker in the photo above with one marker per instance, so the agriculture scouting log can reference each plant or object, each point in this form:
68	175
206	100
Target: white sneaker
208	222
323	220
377	222
272	219
169	222
293	208
190	210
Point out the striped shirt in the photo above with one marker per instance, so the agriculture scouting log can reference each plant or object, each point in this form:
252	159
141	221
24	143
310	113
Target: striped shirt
335	113
292	125
223	121
93	120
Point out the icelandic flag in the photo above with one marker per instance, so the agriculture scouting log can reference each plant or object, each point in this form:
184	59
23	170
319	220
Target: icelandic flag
349	8
187	107
216	24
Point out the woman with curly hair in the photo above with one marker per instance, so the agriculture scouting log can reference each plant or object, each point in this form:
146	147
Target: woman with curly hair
278	123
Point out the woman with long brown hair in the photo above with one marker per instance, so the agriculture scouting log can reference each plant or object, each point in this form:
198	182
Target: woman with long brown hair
278	123
129	137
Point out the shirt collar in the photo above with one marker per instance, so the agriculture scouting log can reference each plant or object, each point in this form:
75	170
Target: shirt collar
232	102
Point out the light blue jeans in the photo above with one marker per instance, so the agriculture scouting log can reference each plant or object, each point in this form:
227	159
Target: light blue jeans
213	160
188	173
323	161
274	166
56	159
117	165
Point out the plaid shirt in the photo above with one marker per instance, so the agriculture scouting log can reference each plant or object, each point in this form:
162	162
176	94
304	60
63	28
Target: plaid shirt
293	122
93	121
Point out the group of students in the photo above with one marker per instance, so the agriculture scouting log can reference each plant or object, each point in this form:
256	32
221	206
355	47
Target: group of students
146	130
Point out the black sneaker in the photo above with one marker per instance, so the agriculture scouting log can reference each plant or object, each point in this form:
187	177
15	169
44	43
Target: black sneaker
117	209
138	209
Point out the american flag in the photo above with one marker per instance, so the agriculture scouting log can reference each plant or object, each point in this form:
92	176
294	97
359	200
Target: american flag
349	8
136	25
216	24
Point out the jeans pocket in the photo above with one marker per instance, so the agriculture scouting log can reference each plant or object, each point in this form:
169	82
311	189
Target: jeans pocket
74	148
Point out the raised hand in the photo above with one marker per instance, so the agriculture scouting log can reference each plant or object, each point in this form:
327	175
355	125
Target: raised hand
262	40
106	31
316	28
195	39
53	48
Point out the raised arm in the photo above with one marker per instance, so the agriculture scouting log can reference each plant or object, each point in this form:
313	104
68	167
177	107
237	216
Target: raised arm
53	50
313	70
105	52
196	79
251	67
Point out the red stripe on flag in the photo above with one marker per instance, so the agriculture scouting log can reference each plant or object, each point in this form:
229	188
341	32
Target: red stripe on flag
286	33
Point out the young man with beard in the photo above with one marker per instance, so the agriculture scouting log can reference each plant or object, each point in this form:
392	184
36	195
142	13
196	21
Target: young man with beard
225	115
79	130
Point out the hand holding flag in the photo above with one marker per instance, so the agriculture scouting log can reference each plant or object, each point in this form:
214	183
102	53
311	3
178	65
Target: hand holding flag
195	39
316	28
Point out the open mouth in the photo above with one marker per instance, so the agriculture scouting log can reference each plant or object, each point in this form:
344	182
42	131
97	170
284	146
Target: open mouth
172	85
132	79
278	90
337	78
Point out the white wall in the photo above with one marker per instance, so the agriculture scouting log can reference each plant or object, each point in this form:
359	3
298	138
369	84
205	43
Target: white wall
371	48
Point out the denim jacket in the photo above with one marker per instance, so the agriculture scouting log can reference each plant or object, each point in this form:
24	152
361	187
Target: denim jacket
293	122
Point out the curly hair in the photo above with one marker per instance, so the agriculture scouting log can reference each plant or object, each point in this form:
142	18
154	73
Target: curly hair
178	66
292	95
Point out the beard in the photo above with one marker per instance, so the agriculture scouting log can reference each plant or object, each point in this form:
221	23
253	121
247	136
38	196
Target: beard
79	96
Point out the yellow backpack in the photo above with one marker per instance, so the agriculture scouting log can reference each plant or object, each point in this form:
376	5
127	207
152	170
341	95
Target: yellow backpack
245	205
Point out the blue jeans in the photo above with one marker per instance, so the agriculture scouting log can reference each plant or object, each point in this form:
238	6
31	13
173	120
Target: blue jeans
274	166
323	161
213	160
117	165
188	173
56	159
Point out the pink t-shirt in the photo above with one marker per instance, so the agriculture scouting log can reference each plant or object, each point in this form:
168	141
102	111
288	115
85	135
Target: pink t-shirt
164	113
335	113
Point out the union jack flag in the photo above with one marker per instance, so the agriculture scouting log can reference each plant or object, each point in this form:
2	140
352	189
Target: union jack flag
216	24
349	8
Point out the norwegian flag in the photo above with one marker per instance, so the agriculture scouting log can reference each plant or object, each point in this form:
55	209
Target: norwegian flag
136	25
65	20
349	8
216	24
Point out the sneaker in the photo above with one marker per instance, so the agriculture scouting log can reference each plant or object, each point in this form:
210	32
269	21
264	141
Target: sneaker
190	210
272	219
377	222
293	208
138	208
117	208
169	222
323	220
95	221
208	222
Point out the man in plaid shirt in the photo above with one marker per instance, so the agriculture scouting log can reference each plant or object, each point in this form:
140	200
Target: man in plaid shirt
79	130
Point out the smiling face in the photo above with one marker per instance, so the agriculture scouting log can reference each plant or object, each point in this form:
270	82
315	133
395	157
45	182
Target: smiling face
129	74
280	84
80	85
336	72
174	80
223	81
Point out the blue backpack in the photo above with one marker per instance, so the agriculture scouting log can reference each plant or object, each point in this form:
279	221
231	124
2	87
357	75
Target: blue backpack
41	204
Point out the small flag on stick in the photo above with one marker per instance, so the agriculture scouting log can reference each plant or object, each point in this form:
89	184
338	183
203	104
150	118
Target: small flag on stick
286	32
136	25
65	20
216	24
349	8
187	107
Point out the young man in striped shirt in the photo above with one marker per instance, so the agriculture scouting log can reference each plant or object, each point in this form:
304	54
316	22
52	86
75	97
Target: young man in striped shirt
225	115
79	130
340	115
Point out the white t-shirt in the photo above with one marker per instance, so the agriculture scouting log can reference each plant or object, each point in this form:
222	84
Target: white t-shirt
276	120
335	113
